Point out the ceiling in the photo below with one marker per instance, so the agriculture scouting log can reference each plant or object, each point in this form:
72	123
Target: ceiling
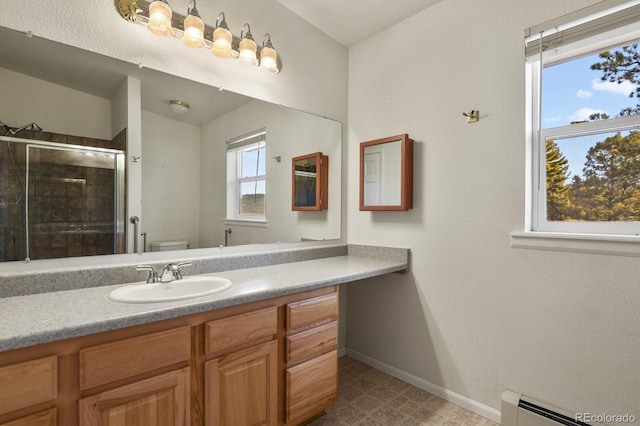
351	21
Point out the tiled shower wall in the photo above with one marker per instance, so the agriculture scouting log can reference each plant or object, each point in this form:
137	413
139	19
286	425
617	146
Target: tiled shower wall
71	206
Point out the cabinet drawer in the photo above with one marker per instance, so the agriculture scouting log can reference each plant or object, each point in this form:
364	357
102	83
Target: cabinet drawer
312	386
312	311
240	329
28	383
136	355
313	342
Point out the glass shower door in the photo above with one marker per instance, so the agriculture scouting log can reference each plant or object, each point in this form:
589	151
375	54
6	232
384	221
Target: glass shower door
74	201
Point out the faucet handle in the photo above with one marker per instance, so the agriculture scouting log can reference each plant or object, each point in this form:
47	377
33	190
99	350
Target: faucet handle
153	275
185	263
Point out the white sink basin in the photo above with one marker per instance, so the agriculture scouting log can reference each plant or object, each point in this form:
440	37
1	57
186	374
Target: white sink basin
186	288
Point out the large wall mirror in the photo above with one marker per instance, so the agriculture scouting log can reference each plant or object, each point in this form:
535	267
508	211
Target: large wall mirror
77	97
386	174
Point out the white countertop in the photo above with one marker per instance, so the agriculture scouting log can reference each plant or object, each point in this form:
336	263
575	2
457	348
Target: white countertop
46	317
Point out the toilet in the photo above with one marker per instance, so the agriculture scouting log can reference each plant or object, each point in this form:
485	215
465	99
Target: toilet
169	245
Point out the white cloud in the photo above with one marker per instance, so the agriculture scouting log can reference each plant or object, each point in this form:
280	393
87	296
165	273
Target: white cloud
552	119
584	113
584	94
623	88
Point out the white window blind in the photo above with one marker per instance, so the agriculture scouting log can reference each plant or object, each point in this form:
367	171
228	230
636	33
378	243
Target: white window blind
247	139
592	21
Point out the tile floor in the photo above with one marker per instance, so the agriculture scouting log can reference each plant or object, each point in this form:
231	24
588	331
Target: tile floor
369	397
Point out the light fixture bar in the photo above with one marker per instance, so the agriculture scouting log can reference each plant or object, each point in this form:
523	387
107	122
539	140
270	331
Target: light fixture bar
137	11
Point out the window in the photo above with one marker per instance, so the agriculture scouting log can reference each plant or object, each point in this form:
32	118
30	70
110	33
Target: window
584	126
246	178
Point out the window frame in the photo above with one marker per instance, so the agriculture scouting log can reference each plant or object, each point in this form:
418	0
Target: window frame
536	216
234	150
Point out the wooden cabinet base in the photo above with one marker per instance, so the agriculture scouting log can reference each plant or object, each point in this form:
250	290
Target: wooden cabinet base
234	366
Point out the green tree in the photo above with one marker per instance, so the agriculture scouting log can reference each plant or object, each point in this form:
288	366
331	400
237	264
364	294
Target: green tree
610	188
557	189
617	67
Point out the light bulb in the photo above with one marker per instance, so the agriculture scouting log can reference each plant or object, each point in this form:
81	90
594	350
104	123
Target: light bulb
193	31
269	59
160	19
222	39
248	47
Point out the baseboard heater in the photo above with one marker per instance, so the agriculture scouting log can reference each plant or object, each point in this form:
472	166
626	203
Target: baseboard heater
520	411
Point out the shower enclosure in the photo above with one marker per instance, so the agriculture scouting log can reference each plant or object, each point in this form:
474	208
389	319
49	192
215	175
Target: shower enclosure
59	200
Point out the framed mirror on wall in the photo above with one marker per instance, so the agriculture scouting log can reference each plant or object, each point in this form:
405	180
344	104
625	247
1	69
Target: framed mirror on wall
310	177
386	174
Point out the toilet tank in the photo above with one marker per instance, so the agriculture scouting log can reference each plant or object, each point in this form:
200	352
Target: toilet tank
169	245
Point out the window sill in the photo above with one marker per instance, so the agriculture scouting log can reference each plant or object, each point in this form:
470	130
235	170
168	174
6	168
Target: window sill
254	223
616	245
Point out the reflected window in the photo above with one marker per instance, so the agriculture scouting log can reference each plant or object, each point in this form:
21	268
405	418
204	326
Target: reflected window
246	177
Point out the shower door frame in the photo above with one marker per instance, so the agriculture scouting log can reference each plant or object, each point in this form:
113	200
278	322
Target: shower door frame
119	241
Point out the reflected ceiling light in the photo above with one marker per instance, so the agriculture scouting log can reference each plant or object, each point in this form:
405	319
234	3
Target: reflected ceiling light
248	47
222	39
159	19
193	27
179	107
268	56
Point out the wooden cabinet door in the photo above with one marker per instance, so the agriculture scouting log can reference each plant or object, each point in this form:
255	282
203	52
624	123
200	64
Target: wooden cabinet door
241	388
161	400
43	418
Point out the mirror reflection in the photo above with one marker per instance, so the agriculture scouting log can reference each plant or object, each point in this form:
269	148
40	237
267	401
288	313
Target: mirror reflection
176	166
60	200
386	174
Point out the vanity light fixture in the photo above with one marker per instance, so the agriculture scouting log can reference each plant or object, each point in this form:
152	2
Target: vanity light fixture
178	107
193	27
158	17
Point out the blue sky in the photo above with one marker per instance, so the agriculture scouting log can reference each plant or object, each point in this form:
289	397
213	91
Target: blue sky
571	91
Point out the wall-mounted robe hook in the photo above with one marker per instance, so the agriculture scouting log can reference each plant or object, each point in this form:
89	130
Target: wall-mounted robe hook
277	158
473	116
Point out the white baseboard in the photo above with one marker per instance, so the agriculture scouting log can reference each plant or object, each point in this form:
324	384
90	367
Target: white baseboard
450	396
342	352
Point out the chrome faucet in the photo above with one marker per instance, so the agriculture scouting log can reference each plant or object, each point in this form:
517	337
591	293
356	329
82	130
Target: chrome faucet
174	271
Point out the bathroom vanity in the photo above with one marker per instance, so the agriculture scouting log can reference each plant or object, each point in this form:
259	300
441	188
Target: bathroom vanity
263	352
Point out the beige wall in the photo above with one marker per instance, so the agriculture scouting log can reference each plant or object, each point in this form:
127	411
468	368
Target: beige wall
55	108
474	315
170	180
